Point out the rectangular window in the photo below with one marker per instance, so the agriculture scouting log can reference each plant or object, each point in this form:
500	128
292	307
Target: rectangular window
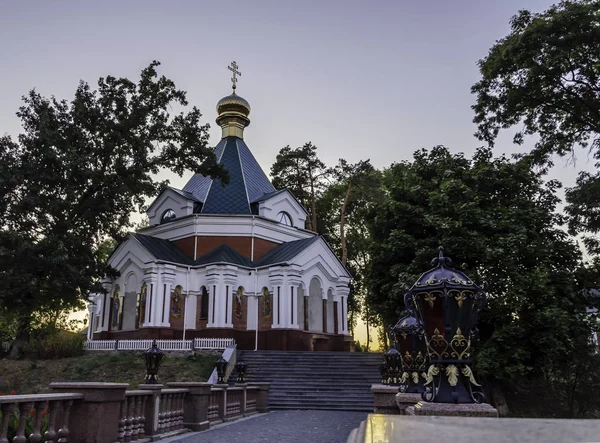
226	303
213	309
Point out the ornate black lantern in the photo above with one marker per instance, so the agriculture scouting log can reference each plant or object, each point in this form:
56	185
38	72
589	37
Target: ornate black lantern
447	303
410	341
153	357
383	370
240	367
393	365
221	369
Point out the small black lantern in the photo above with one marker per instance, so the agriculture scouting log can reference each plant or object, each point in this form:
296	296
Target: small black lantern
240	367
153	357
221	369
447	303
393	365
409	338
383	370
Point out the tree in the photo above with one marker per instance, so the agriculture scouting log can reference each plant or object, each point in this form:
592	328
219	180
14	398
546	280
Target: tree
544	77
74	176
343	206
497	220
301	171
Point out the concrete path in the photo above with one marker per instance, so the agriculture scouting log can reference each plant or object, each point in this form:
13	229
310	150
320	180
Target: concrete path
283	427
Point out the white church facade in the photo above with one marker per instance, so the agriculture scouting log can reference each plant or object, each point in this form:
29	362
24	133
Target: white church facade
231	261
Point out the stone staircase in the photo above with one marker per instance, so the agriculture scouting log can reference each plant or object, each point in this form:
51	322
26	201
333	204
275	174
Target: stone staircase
314	380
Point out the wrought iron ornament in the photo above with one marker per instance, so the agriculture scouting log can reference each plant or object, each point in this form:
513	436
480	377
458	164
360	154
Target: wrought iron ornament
153	357
447	303
409	340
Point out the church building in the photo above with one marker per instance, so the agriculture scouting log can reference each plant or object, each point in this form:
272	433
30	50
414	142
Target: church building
231	261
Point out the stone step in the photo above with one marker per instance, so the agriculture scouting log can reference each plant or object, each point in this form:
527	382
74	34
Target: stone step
314	380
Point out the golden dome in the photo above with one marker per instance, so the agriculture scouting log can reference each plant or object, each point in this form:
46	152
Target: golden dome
233	104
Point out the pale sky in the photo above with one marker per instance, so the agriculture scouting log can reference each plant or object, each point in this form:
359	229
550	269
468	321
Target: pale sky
360	79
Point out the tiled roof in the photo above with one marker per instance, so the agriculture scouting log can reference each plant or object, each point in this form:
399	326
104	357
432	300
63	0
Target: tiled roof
199	185
247	182
163	250
285	251
223	254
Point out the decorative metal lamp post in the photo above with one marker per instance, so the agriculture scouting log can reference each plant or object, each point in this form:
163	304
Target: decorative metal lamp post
240	367
221	370
447	303
393	365
410	341
153	357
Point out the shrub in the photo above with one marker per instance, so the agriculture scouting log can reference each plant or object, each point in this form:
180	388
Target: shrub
59	344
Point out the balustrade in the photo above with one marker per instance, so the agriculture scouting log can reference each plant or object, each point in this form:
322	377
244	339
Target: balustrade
120	415
43	411
170	416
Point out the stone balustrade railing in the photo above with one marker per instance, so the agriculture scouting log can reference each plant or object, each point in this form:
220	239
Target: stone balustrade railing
57	408
109	413
170	417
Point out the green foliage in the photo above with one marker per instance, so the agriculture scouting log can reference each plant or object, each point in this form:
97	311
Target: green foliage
301	171
544	78
496	218
29	423
59	344
544	75
74	176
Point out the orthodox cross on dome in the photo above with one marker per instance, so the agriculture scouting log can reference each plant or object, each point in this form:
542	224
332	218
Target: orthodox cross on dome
233	67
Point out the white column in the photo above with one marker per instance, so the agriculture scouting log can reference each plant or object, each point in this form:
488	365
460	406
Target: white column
275	306
90	331
212	286
345	314
157	297
339	315
294	306
107	285
165	313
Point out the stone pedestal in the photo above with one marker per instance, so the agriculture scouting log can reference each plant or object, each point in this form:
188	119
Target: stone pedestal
453	410
152	406
195	406
384	397
262	402
96	417
404	400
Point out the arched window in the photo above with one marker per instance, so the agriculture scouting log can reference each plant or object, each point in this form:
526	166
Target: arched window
284	217
167	216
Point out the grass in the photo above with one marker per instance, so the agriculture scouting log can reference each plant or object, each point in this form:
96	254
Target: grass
34	376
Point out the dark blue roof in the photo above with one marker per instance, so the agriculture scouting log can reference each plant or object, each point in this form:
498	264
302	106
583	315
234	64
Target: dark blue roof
163	250
247	181
199	185
285	251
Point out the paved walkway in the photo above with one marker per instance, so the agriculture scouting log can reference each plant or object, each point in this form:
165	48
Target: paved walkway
284	427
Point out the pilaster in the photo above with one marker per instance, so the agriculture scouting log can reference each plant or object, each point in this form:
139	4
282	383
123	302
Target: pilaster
343	292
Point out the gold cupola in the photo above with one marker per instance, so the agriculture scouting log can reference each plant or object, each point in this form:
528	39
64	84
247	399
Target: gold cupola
233	110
